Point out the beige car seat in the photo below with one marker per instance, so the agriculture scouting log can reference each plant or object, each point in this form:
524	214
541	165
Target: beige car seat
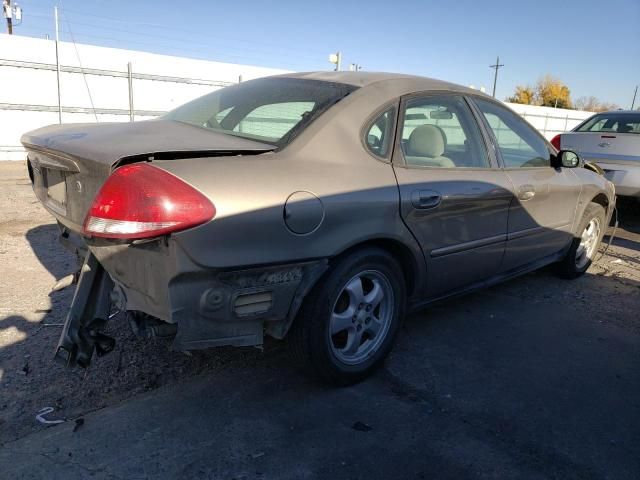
426	145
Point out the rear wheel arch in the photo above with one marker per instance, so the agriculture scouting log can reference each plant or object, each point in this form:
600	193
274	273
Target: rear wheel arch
399	251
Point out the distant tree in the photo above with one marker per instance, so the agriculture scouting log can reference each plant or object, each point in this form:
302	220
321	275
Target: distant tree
592	104
551	92
587	103
523	94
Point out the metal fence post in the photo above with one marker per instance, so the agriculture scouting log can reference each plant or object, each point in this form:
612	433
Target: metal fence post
566	122
130	77
544	129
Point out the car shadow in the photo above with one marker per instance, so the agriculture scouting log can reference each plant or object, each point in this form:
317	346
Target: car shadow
45	244
627	235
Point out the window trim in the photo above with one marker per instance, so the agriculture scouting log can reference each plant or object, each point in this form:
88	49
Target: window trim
393	105
398	155
494	140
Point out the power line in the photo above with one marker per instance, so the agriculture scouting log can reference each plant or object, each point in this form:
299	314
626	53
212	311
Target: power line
197	54
251	45
84	77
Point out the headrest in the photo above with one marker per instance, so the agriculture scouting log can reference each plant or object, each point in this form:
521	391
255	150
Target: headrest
427	141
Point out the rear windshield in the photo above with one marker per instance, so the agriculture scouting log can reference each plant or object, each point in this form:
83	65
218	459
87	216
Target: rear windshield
612	122
272	110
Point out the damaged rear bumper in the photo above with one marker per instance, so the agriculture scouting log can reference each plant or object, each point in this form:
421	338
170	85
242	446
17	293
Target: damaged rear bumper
238	307
208	307
89	312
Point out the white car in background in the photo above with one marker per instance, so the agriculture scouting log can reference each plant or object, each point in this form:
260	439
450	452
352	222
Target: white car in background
612	141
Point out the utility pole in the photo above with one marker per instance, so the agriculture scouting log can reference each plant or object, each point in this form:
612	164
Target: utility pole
633	103
55	16
495	76
355	67
6	7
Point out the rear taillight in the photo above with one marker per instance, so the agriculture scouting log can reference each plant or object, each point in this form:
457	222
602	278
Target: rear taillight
142	201
555	141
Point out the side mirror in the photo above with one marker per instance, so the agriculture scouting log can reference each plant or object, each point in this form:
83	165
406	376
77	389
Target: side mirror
568	159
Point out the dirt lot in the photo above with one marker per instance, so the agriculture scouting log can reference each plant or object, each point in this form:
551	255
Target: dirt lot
541	370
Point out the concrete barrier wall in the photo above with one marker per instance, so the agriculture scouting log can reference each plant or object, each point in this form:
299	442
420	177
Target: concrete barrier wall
548	120
28	87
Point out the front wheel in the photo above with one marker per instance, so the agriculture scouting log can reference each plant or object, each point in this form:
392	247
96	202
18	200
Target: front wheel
584	248
347	325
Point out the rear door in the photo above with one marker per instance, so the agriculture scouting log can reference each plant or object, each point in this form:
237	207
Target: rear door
543	210
454	197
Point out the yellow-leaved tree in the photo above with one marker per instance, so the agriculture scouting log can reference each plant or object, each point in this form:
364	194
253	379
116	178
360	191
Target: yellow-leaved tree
551	92
523	94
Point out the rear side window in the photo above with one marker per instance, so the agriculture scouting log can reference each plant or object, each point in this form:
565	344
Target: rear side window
612	122
520	145
380	134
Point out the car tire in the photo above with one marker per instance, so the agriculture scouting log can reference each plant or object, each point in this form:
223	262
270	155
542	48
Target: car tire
348	323
584	247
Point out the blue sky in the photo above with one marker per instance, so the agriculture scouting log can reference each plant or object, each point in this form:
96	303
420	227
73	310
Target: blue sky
593	46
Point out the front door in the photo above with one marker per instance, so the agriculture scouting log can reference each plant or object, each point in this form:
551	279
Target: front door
543	211
454	197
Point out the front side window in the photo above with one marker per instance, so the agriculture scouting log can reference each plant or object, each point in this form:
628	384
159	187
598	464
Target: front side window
612	122
271	110
380	134
440	131
519	144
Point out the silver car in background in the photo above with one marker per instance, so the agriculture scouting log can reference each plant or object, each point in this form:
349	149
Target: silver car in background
612	141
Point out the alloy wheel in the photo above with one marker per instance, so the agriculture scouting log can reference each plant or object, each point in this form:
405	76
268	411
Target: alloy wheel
588	243
361	317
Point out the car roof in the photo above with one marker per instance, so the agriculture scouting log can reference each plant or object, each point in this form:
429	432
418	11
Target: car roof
402	82
626	112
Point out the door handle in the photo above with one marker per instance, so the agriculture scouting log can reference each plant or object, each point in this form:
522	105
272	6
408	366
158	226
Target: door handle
526	192
425	199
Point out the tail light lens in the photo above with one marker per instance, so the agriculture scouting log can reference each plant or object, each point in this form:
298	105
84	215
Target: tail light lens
142	201
555	141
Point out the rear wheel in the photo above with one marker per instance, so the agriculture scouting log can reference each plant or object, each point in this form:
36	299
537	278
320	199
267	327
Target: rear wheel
347	325
584	248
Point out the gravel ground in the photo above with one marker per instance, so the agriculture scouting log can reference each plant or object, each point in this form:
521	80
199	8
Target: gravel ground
31	261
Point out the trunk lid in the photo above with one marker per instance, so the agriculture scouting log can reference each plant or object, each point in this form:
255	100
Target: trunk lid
69	163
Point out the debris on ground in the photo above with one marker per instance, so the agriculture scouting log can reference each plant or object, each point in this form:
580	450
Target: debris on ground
46	411
79	423
361	427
